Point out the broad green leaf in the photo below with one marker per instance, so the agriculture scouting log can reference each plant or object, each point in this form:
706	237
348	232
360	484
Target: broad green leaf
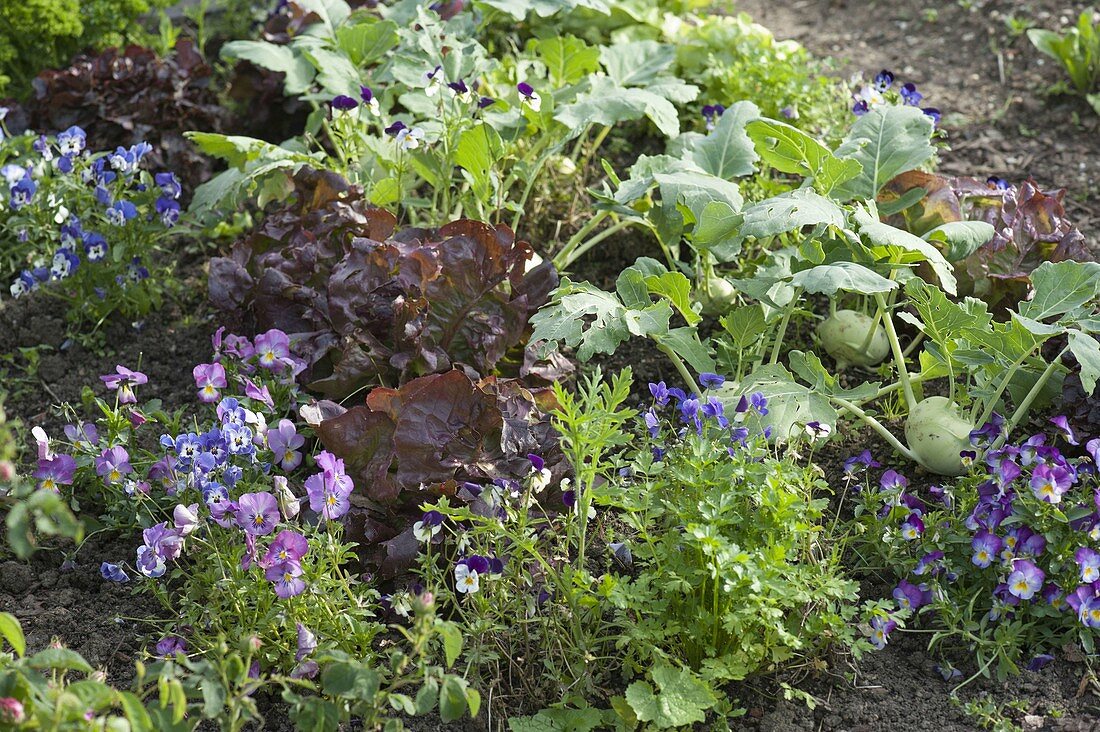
727	152
677	289
452	641
790	212
520	9
299	71
790	150
593	321
213	697
608	103
335	72
686	344
558	720
366	42
695	191
631	288
745	325
12	632
828	279
60	659
452	699
637	63
790	404
316	715
1061	287
717	231
1087	352
135	712
886	141
809	368
681	698
479	150
568	59
942	320
962	238
900	247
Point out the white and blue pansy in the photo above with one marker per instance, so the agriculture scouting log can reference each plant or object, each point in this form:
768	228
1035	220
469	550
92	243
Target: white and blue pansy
72	141
120	212
95	247
65	263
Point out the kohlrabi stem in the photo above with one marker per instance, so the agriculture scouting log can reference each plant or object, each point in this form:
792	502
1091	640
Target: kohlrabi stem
871	332
895	346
681	367
779	335
1025	405
575	240
580	251
991	404
877	427
913	345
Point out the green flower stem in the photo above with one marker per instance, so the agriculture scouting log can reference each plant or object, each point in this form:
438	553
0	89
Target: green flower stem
582	249
564	257
993	400
782	332
1025	405
681	367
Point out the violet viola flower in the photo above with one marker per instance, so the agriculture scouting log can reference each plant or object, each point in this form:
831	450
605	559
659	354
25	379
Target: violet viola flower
860	462
910	596
273	348
84	436
369	100
711	114
283	440
289	546
1088	562
287	578
528	96
113	572
910	95
883	80
113	464
660	395
307	642
934	114
652	423
209	377
124	380
343	103
711	381
55	471
149	563
428	526
1050	482
259	393
170	645
1025	579
985	546
185	518
929	560
166	542
893	480
1063	427
912	528
329	490
257	513
880	631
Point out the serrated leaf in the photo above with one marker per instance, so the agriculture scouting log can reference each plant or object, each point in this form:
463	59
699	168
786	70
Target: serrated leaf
745	325
299	71
962	238
899	246
1087	352
728	152
790	150
366	42
887	141
681	698
717	231
677	289
790	212
479	149
808	367
637	63
568	59
828	279
608	103
1061	287
686	344
790	404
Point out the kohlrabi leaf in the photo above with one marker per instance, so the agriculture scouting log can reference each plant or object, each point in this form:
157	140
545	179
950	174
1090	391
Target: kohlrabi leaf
828	279
961	238
809	368
568	59
790	212
685	342
899	246
717	231
520	9
479	149
367	41
1061	288
674	287
886	141
1087	352
745	325
790	404
696	191
790	150
727	152
299	71
593	321
637	63
608	103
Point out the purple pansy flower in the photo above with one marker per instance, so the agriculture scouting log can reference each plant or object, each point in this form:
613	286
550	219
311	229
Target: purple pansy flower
257	513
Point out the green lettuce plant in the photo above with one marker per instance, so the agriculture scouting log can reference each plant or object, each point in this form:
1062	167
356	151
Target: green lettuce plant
1078	51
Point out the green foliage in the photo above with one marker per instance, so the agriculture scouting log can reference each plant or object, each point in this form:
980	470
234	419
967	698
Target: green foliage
1078	50
38	34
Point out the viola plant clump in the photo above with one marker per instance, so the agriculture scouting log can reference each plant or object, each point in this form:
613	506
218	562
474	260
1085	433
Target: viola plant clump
1000	564
85	227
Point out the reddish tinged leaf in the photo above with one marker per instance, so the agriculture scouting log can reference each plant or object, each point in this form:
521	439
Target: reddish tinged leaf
365	305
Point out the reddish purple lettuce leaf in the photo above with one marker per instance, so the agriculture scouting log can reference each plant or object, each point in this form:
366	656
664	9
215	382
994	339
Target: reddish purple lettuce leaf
1030	227
366	306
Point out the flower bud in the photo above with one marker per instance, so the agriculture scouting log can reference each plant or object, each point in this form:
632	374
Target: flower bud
11	711
288	502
